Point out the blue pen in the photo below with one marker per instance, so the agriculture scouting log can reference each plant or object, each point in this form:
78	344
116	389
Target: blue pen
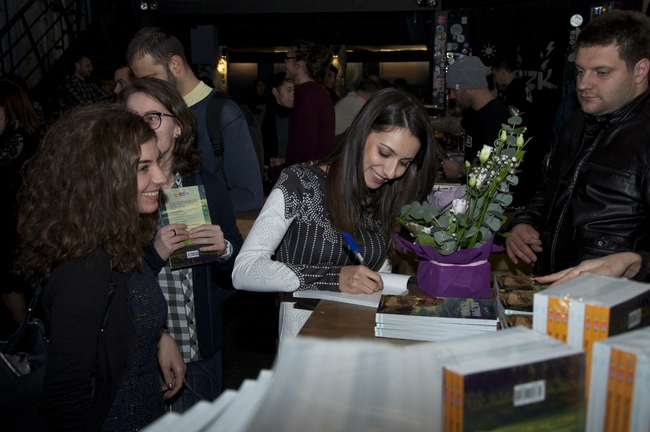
354	247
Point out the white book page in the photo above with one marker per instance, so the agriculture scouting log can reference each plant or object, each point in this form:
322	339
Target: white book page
394	284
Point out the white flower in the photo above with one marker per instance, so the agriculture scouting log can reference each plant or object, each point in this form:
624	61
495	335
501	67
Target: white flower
459	206
485	153
480	179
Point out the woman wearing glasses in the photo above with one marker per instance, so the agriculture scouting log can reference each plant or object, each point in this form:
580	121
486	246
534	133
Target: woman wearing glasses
193	294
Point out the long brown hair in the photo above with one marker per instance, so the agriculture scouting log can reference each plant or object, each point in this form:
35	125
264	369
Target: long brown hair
387	110
19	112
80	192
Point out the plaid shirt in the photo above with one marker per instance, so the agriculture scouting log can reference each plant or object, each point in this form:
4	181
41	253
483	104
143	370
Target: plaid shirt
78	92
176	286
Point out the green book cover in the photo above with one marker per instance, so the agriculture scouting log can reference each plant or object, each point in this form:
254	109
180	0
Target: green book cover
187	205
546	395
425	309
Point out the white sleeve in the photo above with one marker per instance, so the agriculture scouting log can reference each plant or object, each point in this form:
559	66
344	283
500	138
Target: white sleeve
254	269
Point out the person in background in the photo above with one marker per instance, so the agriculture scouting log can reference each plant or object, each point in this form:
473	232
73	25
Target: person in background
518	98
36	105
194	294
154	53
483	114
386	161
87	213
516	94
311	123
275	124
79	89
348	107
595	196
330	83
19	136
257	102
123	76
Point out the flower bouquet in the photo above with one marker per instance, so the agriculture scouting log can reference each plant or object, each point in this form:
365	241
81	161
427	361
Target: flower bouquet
453	230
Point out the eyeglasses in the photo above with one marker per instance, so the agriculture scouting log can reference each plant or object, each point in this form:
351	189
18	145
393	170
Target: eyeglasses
287	58
155	119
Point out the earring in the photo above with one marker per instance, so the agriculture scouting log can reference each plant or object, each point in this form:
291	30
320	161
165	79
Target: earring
176	136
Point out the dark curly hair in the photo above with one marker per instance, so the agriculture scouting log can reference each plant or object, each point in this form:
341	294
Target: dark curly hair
80	192
388	110
317	58
186	156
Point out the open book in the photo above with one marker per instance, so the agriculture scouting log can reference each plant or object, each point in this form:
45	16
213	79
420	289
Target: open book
394	284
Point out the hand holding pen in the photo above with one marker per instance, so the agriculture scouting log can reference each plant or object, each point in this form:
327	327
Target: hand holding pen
358	279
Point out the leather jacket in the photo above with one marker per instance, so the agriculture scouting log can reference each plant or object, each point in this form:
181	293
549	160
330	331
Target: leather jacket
595	198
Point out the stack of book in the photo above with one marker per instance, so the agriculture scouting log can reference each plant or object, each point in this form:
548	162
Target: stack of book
515	379
620	373
433	319
515	294
518	383
590	308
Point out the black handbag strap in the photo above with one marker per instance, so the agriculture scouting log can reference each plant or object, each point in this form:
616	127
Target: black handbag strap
33	303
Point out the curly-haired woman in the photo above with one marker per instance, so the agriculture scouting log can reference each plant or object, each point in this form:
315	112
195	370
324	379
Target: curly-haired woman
87	214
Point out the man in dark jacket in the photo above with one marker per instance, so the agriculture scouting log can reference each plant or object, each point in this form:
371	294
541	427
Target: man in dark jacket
595	199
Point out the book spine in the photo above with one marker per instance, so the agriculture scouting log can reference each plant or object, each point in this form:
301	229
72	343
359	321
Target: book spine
587	345
564	306
598	378
611	418
627	389
448	412
553	326
540	313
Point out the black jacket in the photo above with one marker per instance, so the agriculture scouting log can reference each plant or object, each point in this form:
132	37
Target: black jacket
75	302
595	199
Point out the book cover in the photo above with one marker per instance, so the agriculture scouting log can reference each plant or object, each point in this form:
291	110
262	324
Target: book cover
534	395
422	309
187	205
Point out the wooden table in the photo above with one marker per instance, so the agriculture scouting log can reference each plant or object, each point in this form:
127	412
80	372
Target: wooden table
334	320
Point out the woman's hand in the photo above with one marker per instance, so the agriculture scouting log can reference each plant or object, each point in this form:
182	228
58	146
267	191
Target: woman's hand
169	239
171	363
211	236
625	264
359	280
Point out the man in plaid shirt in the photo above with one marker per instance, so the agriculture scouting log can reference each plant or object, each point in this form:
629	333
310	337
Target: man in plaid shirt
79	91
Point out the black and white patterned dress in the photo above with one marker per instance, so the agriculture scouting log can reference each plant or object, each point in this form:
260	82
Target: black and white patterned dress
293	246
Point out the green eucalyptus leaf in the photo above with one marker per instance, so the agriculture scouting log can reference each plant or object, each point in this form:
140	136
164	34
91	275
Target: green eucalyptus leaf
444	221
470	232
510	152
511	141
426	240
416	212
428	213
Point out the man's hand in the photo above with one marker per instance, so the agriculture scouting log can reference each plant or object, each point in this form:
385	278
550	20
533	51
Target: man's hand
625	264
523	243
359	280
